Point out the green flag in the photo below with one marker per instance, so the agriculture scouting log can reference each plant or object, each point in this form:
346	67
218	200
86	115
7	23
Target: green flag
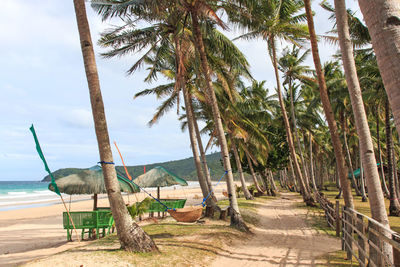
39	150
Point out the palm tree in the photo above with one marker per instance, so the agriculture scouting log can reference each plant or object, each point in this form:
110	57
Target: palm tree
274	20
131	236
394	207
375	193
341	165
169	28
197	9
382	20
290	66
375	95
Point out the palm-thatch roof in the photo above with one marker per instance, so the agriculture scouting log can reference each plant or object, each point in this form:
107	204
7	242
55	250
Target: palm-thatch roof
159	177
90	181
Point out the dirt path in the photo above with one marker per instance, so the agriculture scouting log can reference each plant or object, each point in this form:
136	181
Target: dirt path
282	238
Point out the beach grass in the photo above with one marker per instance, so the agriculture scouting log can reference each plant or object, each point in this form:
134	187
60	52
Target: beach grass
180	244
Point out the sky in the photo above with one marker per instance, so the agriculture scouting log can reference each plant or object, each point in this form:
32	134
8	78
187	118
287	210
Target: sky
42	81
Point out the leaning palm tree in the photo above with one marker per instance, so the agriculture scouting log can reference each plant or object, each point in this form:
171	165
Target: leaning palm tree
201	10
382	19
273	21
131	236
290	66
375	97
341	165
376	198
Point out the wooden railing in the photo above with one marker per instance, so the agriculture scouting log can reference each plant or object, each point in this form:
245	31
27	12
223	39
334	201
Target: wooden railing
332	212
370	242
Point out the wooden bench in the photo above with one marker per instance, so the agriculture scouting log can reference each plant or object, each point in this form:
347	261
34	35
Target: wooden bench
89	221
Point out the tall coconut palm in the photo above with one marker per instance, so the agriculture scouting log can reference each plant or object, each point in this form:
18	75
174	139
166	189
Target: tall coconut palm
376	198
273	21
339	96
131	236
394	207
290	66
341	165
382	19
198	9
160	33
375	97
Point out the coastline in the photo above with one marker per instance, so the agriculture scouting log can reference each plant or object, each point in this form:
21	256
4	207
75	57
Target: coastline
35	232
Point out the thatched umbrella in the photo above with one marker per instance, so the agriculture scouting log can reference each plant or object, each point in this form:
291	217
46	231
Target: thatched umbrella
90	181
159	177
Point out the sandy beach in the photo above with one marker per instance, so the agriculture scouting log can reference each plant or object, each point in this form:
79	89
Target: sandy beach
27	234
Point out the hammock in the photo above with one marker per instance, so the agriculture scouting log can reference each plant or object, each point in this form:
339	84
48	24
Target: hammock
186	214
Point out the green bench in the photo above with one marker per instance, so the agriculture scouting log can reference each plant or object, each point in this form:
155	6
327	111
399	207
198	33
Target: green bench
155	206
88	221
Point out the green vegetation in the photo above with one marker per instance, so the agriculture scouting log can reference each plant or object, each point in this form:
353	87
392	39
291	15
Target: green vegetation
183	168
139	208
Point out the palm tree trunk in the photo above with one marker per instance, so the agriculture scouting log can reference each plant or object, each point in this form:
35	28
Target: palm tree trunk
296	132
264	176
353	178
375	194
312	165
294	175
396	180
273	185
338	185
362	184
203	155
246	192
394	207
131	236
308	199
180	80
337	146
253	175
262	182
236	218
382	19
378	138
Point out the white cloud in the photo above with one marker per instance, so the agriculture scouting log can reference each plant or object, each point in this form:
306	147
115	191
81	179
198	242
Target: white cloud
78	117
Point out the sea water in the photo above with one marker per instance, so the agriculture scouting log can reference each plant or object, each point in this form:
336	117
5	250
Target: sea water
29	194
23	194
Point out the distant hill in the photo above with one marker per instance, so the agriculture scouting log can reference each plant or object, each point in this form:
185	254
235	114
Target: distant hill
184	168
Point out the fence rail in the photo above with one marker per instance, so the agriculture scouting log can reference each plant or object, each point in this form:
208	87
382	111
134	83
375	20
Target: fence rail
370	242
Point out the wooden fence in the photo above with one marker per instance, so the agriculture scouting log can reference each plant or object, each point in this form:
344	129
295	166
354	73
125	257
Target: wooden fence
371	243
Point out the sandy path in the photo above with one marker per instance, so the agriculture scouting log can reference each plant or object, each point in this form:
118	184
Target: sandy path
282	238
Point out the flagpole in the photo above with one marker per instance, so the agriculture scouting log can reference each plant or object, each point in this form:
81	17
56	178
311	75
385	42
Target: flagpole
126	170
53	181
70	219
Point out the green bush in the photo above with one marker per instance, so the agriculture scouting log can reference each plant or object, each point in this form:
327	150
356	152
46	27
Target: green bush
139	208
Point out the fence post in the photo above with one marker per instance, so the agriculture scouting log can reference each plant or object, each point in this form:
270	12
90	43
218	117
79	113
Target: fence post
361	238
337	218
396	252
349	231
343	230
374	255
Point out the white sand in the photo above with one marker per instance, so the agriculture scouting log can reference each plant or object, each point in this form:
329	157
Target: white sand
32	233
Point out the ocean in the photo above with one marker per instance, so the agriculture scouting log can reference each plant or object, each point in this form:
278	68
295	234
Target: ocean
24	194
29	194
